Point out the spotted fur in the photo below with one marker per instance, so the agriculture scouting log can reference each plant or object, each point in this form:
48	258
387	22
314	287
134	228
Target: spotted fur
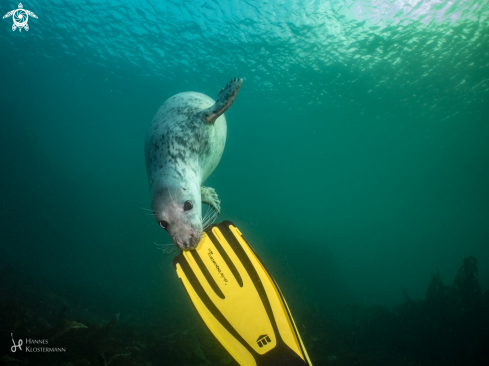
184	144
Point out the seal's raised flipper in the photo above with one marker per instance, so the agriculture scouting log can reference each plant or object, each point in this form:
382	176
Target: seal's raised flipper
224	100
209	196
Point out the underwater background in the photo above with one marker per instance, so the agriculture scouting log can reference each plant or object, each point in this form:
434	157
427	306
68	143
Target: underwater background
356	165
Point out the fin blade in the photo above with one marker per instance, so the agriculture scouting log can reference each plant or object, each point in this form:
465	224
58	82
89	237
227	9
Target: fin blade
252	321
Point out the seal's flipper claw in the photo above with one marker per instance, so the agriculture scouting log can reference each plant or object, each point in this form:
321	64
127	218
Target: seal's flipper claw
209	196
224	100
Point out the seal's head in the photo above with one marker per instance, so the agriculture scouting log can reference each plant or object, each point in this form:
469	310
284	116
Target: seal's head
178	211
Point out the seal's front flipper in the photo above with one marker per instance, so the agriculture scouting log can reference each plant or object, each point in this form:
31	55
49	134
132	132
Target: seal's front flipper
224	100
209	196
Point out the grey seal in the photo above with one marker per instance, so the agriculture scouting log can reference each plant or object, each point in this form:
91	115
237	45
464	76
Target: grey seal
184	145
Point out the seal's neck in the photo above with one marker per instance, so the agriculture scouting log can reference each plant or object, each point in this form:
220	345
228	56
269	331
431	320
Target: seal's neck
175	183
178	176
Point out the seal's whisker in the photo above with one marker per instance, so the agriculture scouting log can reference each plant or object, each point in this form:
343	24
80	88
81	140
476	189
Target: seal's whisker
208	210
207	213
153	212
147	209
210	220
169	250
206	220
209	224
206	217
166	248
209	217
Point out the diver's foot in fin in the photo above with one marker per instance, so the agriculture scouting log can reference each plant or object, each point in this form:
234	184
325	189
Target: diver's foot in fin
224	100
209	196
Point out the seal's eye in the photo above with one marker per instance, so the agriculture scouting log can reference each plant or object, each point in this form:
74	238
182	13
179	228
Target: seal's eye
188	205
164	224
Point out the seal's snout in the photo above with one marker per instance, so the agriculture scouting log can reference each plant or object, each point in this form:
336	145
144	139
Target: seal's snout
190	242
185	234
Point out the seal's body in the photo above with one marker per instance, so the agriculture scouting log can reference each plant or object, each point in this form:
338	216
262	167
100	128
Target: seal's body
183	146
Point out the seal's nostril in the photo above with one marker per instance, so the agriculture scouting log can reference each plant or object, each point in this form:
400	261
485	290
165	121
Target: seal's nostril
164	224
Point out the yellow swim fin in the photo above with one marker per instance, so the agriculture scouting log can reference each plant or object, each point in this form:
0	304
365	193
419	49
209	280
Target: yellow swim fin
239	301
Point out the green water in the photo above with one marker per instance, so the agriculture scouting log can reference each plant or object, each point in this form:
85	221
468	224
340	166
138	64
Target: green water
357	158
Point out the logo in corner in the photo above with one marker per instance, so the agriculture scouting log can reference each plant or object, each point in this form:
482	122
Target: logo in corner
14	347
20	17
263	340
